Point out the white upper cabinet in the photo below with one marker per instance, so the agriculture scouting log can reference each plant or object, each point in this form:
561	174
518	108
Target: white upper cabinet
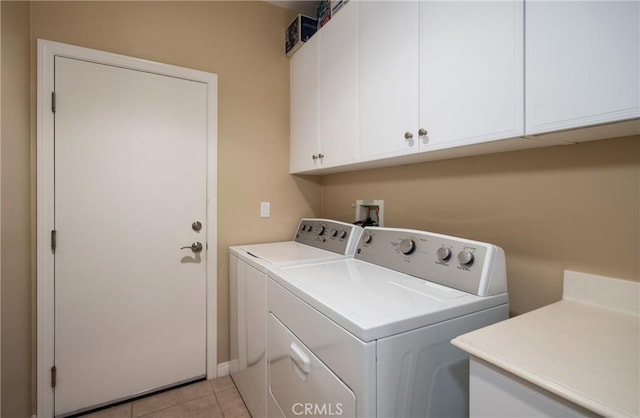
305	107
324	96
451	69
339	88
582	63
471	72
388	78
393	82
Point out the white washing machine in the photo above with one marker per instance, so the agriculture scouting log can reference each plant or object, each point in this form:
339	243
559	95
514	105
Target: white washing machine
314	240
369	336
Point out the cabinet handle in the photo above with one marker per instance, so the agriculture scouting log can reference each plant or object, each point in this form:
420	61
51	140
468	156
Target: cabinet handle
320	156
422	132
315	157
408	135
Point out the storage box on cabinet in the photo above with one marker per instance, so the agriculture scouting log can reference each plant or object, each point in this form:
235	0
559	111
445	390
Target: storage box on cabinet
299	31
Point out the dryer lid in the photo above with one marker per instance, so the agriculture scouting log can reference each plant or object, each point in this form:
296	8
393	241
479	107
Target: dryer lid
374	302
281	253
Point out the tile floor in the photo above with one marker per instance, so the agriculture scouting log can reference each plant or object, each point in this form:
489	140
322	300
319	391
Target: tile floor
216	398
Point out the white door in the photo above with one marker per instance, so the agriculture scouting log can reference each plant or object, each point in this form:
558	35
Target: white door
130	179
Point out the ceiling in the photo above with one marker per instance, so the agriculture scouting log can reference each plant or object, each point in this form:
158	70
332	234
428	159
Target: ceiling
305	7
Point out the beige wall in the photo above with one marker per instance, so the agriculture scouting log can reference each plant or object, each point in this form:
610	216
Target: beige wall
565	207
241	41
16	269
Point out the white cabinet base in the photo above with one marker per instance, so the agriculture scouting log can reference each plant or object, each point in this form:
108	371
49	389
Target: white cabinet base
497	393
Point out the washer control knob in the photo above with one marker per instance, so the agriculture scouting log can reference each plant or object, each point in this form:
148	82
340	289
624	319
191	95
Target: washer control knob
443	253
321	230
367	237
407	246
333	232
303	227
342	234
465	257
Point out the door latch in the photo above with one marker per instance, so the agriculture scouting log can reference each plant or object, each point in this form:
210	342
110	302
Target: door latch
196	247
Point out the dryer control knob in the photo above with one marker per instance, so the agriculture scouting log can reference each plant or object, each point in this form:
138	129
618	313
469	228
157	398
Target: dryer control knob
321	230
407	246
333	232
367	237
465	258
443	253
342	234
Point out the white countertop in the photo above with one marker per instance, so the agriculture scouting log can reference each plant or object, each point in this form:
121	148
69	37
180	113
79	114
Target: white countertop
585	348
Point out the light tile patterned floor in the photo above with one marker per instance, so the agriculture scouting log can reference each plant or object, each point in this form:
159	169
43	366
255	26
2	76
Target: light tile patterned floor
216	398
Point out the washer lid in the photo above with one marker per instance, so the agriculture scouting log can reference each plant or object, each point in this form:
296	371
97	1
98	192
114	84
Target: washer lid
280	253
373	302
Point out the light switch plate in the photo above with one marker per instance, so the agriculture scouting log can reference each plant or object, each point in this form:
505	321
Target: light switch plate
265	209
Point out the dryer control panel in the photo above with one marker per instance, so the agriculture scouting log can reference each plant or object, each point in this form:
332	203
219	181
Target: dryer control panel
474	267
335	236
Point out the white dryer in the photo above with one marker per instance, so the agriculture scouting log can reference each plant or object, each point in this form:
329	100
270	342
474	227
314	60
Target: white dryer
370	336
314	240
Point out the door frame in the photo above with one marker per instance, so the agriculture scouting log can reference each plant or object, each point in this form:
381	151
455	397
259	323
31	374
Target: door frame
47	51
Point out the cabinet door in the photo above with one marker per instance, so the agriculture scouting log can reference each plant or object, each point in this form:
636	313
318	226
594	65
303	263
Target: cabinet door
471	72
305	106
339	87
388	76
582	63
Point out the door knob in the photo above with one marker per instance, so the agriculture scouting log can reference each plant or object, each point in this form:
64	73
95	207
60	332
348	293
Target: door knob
196	247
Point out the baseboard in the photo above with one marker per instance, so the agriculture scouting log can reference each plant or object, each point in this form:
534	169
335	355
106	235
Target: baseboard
226	368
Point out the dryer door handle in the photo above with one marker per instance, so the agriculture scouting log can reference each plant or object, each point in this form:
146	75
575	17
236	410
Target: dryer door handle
300	358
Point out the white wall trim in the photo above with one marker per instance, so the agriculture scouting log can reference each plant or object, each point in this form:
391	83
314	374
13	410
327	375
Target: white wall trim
47	51
0	213
225	368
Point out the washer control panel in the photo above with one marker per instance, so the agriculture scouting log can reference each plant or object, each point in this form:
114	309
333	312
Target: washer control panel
335	236
474	267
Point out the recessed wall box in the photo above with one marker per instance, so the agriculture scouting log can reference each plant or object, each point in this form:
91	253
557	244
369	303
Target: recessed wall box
370	212
299	31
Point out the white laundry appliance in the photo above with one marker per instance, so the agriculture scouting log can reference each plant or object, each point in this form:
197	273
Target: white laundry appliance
314	240
370	335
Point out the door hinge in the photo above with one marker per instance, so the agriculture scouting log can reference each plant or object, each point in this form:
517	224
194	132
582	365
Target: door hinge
53	101
54	240
54	376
